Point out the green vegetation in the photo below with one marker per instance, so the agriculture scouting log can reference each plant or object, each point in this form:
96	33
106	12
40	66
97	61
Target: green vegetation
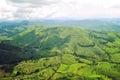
59	53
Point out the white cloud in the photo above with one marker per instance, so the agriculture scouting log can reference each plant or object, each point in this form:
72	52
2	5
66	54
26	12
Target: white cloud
31	9
7	11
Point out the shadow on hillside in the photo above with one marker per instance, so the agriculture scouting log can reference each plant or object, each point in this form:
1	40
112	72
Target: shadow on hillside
9	57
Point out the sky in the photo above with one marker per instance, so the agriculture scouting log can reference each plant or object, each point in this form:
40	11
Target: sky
58	9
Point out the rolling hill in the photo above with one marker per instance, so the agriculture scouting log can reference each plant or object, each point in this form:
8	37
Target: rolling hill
60	53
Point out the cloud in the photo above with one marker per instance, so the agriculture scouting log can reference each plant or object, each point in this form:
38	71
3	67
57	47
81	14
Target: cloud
7	11
37	2
32	9
116	6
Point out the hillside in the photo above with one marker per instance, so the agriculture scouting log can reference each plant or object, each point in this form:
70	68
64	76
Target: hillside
60	53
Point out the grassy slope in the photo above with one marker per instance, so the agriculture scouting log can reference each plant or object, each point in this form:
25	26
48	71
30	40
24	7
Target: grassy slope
67	53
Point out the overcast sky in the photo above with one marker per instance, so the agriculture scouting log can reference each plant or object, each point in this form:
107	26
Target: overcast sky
52	9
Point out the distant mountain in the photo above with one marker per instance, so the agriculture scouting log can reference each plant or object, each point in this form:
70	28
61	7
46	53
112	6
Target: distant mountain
90	24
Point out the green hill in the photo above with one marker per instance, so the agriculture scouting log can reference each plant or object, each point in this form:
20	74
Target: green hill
63	53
